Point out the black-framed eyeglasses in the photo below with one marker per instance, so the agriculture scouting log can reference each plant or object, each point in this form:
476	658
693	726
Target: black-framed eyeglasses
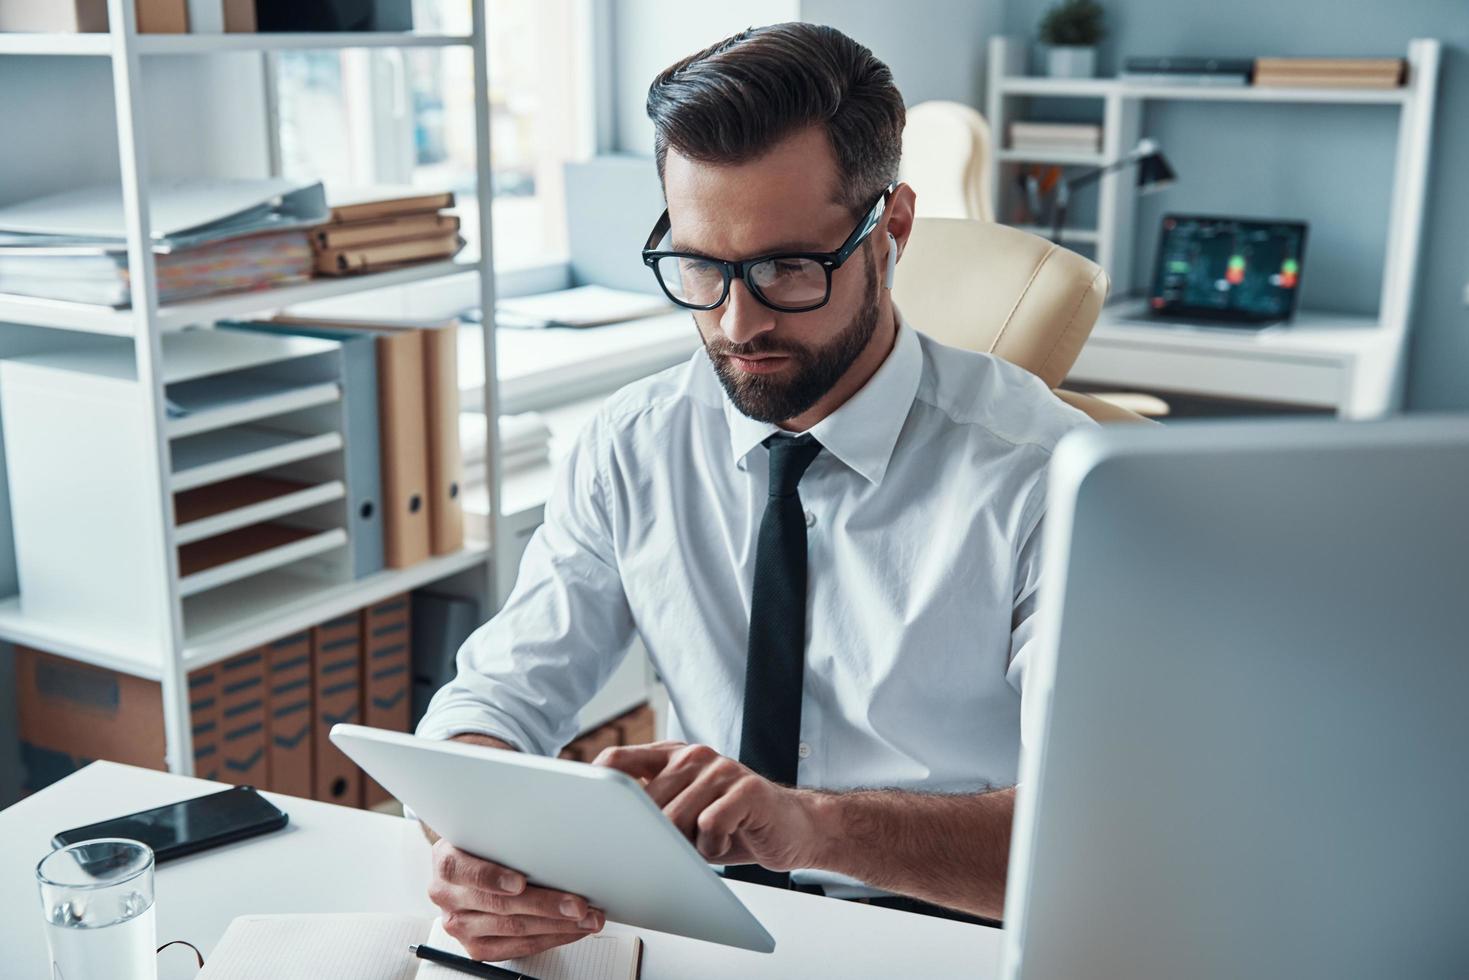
789	282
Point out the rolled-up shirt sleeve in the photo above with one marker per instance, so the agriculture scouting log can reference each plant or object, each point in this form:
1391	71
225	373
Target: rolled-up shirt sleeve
523	676
1024	604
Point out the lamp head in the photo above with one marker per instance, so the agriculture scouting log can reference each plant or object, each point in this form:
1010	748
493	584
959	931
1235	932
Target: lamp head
1153	171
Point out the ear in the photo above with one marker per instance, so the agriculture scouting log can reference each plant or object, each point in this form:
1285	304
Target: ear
898	222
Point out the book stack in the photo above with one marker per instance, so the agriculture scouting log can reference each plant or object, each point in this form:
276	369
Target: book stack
1050	137
1330	72
1220	72
377	230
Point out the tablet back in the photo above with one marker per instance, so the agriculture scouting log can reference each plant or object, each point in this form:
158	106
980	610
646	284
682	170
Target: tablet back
579	828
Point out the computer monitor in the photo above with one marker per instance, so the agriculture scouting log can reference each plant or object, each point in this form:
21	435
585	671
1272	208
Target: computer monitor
1227	271
1252	670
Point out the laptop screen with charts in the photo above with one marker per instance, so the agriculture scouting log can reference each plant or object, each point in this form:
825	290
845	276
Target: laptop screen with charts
1228	271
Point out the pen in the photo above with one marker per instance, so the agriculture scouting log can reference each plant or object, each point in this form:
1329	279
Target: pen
472	967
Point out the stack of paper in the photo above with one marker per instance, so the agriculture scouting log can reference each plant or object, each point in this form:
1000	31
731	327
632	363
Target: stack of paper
525	442
584	306
209	236
380	228
1048	137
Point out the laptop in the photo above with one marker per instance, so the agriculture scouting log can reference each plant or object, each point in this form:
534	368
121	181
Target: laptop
1226	272
1252	665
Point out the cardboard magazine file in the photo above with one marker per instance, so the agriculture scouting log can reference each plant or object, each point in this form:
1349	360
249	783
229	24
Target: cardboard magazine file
242	715
336	658
71	714
387	684
290	716
204	721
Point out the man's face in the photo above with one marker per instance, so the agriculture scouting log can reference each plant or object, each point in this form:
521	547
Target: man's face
774	366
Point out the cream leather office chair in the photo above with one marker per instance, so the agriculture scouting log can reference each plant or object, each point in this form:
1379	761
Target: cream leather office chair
988	287
948	158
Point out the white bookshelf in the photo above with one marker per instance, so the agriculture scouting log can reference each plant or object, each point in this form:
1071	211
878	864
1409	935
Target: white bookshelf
104	44
1350	364
122	365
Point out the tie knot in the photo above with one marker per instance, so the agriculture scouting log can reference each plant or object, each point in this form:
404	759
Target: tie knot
789	459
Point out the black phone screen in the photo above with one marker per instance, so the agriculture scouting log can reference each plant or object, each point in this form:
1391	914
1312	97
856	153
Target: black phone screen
192	825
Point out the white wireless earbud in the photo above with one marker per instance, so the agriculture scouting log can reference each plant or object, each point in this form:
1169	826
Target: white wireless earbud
892	261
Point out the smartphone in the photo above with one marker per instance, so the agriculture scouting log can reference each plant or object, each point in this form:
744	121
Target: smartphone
188	827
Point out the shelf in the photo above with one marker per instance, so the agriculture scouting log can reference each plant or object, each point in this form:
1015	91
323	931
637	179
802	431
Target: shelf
225	507
53	44
1102	87
1041	156
91	318
100	650
265	403
225	621
217	562
1310	335
237	452
152	44
98	44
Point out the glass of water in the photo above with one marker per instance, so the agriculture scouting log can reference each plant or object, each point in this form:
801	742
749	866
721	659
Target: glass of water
98	897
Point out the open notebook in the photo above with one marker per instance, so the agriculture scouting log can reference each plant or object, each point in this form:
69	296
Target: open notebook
375	947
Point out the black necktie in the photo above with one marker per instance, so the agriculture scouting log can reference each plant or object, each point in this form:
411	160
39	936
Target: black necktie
776	655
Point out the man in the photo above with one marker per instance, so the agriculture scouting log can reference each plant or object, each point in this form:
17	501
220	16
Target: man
844	609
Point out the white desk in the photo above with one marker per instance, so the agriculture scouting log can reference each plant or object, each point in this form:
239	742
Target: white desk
1342	361
541	369
333	859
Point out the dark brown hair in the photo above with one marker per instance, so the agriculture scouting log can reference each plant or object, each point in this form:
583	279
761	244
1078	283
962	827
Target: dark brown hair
735	100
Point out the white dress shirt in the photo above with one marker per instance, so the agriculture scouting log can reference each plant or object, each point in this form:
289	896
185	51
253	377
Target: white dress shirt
923	515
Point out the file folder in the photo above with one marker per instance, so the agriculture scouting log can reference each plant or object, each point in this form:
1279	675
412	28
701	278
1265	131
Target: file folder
336	659
291	716
404	416
361	435
445	467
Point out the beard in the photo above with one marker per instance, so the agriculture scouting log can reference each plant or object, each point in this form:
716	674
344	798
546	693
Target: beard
816	369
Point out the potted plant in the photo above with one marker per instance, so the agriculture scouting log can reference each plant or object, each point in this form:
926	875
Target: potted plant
1070	30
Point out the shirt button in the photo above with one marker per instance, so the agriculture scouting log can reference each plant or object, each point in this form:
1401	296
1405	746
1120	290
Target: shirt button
810	519
804	751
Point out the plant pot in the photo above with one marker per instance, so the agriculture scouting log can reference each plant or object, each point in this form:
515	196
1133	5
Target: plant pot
1066	61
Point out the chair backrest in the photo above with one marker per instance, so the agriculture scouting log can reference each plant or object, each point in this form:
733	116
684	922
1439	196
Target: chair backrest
948	160
989	287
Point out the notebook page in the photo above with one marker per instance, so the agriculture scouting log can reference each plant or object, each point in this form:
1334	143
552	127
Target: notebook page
600	957
317	947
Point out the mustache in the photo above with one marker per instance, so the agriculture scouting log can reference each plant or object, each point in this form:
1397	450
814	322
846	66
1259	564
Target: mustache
720	346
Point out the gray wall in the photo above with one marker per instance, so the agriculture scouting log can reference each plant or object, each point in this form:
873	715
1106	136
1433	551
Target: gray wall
1331	165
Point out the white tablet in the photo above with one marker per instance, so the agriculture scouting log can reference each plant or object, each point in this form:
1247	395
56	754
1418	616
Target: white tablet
583	829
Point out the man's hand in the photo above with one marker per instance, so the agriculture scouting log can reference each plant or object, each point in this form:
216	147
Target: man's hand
492	910
730	814
495	914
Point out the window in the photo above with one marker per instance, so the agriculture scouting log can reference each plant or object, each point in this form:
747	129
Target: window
365	117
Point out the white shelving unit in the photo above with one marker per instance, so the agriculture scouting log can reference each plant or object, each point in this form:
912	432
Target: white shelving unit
1352	365
200	618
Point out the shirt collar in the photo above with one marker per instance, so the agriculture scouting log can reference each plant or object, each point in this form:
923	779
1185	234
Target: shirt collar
864	430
